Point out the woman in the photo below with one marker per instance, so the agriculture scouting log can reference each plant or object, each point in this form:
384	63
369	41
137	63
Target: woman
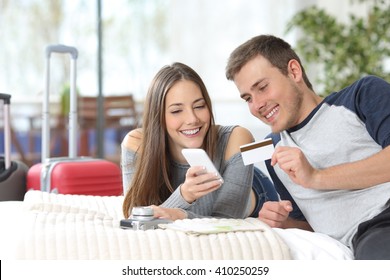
177	115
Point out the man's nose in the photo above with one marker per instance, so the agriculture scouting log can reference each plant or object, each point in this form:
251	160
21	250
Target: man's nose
259	103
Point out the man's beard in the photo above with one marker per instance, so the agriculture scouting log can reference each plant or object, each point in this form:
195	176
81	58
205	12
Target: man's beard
292	110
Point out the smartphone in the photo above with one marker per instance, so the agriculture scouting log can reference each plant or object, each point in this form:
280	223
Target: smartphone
198	157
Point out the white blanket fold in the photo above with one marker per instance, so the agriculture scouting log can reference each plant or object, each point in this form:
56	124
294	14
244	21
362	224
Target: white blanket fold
87	228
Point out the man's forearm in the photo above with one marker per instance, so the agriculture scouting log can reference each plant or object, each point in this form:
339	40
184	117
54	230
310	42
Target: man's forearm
361	174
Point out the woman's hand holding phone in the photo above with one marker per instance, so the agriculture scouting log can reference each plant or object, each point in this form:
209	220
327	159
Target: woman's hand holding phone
201	178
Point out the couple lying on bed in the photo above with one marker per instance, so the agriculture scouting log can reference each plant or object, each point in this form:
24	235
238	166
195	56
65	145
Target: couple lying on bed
331	166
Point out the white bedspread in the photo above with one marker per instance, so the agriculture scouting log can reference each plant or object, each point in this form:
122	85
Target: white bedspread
51	226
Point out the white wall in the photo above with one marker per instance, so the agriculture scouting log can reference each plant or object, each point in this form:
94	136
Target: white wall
201	33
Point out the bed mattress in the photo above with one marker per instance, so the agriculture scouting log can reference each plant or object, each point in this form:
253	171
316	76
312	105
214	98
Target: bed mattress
48	226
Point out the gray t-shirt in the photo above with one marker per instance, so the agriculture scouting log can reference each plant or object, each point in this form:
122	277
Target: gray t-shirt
231	200
347	126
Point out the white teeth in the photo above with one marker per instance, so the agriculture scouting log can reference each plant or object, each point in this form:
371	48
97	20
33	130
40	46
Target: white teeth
191	132
270	114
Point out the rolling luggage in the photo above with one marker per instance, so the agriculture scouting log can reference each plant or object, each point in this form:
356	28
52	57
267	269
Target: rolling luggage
12	173
72	174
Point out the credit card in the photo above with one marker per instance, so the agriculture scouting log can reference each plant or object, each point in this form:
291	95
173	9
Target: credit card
257	151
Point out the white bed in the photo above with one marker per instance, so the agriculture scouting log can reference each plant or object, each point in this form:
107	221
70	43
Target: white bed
49	226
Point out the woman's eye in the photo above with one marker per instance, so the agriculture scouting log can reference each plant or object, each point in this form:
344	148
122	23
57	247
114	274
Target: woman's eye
175	112
200	106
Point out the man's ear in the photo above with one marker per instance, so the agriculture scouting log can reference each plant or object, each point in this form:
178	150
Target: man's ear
294	70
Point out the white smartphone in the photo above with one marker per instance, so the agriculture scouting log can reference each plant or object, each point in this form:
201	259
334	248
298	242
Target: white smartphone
198	157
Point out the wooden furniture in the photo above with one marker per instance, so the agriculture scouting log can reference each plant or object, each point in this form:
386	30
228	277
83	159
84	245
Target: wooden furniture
120	114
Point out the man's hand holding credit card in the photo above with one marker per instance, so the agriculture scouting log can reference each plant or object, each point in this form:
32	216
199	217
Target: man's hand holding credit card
257	151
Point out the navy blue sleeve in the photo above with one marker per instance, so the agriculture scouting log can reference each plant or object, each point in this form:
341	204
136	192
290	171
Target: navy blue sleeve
369	98
280	188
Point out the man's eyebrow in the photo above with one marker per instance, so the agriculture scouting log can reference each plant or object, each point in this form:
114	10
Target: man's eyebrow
253	86
243	95
257	83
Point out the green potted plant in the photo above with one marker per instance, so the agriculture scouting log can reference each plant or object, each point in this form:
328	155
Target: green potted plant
344	52
65	100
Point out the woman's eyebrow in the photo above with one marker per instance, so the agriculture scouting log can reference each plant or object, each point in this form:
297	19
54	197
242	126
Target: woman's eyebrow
181	104
199	99
175	104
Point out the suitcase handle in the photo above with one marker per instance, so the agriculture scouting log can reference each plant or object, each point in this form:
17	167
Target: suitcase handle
7	129
6	98
61	49
73	102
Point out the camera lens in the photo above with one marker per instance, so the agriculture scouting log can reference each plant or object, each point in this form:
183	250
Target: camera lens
142	213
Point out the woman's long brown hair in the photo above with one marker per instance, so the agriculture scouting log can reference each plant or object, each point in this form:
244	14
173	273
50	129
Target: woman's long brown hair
151	181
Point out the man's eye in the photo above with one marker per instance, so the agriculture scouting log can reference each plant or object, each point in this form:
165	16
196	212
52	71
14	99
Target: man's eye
263	88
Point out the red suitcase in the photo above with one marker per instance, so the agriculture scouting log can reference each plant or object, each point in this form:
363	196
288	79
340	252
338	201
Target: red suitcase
76	176
71	175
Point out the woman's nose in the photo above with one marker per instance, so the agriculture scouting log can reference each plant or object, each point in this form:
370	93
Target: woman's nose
191	117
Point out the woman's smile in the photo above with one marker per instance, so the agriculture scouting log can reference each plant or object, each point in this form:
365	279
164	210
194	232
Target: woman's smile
191	132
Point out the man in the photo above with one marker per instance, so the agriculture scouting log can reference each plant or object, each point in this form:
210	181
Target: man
331	164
